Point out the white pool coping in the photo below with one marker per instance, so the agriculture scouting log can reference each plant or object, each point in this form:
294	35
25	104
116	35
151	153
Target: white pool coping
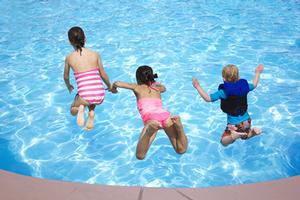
18	187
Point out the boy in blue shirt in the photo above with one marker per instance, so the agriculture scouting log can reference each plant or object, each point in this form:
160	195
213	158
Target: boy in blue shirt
233	95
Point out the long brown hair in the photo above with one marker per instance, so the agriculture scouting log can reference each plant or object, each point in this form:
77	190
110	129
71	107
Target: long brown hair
77	38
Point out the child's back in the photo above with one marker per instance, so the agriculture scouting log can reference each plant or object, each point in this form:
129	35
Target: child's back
145	91
83	61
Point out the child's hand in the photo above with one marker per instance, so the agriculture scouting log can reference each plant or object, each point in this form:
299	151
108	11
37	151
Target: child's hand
202	92
114	86
70	88
195	83
259	69
113	89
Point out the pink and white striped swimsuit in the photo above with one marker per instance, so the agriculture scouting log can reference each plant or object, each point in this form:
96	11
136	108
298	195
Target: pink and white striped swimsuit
90	86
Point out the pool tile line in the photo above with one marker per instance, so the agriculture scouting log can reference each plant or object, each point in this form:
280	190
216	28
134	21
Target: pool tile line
184	195
141	194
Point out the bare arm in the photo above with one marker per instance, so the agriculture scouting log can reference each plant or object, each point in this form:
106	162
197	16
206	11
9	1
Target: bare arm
202	93
67	75
104	76
259	69
120	84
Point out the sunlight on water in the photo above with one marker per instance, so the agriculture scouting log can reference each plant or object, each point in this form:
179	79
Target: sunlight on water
179	39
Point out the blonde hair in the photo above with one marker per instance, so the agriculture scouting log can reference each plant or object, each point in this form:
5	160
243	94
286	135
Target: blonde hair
230	73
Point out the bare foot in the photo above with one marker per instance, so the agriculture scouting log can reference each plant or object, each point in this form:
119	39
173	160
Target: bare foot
254	132
235	135
177	123
90	121
175	120
80	116
150	128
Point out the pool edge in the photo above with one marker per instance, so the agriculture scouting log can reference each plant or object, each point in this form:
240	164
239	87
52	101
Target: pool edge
14	187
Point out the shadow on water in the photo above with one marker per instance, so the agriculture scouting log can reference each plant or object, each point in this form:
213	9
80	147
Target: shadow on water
9	162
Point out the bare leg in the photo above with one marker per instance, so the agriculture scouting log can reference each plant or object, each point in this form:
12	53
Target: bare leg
91	117
175	132
254	132
80	116
229	139
146	138
76	103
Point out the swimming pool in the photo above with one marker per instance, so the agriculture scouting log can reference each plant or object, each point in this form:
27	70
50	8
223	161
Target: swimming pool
179	39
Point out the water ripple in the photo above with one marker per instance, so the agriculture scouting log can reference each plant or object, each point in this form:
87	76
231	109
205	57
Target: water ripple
181	40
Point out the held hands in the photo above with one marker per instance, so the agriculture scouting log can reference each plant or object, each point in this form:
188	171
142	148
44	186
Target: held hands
115	84
259	69
113	89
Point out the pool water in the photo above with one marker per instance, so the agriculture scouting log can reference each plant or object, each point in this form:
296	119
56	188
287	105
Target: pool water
179	39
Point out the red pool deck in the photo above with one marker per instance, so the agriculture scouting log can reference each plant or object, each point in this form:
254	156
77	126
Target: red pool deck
19	187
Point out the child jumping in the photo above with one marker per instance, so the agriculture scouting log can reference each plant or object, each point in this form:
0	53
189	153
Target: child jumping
155	117
88	71
233	94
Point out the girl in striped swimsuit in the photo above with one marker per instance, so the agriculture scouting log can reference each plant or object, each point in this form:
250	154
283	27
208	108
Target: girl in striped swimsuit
89	73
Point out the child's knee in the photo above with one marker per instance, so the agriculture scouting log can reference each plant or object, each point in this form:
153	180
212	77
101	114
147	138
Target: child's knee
223	144
140	156
74	111
180	150
224	141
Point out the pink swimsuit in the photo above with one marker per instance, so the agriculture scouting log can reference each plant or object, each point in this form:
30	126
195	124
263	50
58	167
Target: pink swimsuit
90	86
151	109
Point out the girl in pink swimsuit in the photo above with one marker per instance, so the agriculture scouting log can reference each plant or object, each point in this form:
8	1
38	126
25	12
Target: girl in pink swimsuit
154	116
89	73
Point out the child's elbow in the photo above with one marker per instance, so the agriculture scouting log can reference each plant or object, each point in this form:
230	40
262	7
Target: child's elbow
66	76
207	99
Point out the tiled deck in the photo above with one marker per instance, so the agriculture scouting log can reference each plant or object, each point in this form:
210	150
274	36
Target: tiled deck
18	187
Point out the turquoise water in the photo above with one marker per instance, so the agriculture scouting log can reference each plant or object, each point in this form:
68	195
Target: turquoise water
179	39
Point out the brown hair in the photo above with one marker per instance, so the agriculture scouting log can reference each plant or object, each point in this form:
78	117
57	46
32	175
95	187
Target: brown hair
230	73
77	37
144	75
